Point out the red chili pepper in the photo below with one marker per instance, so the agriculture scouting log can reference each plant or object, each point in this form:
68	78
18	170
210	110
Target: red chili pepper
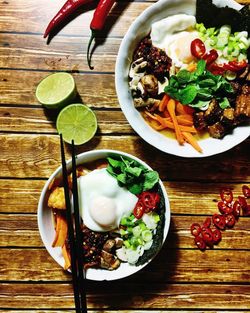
230	220
207	222
246	191
216	236
200	243
150	200
97	23
207	235
67	9
236	208
224	207
246	210
243	202
139	209
198	48
235	66
210	56
216	69
195	229
226	195
219	221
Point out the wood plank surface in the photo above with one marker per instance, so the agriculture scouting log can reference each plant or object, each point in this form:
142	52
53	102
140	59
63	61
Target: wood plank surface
146	296
38	156
180	278
21	230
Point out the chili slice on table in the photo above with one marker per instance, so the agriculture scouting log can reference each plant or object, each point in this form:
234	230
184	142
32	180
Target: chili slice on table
230	220
207	222
225	207
216	236
246	191
226	195
207	235
200	243
195	229
236	208
219	221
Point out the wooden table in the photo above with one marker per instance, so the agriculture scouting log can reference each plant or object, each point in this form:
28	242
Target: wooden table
181	278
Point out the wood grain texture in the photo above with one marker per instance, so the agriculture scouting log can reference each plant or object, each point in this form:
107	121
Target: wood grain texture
21	230
38	156
124	295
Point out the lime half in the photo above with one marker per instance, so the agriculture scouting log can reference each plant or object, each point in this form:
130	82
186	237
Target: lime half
76	122
56	90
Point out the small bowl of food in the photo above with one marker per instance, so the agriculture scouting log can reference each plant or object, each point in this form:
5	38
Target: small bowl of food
182	76
124	210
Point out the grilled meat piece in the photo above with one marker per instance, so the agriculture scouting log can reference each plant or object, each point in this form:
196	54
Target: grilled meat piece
217	130
213	113
199	121
109	245
227	118
150	85
242	108
109	261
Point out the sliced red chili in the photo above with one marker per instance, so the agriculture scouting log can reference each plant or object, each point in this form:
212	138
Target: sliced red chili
224	207
246	191
230	220
207	222
219	221
210	56
226	195
200	243
150	200
139	209
216	236
243	202
195	229
198	48
236	208
207	235
235	66
216	69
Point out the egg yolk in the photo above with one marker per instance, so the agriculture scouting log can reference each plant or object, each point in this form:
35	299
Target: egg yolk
103	211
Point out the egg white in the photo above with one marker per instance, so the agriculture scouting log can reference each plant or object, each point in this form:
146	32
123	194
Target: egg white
99	192
174	34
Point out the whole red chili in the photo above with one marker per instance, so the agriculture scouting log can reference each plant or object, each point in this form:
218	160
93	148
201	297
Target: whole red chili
98	20
66	10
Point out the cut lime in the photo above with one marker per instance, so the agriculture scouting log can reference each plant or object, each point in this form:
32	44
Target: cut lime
76	122
56	90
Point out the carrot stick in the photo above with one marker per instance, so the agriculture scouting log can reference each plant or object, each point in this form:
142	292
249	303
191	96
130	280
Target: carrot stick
65	254
156	126
150	115
190	139
171	111
185	120
163	103
183	109
61	231
168	124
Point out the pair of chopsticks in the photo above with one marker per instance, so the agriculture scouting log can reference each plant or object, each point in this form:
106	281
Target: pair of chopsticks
74	233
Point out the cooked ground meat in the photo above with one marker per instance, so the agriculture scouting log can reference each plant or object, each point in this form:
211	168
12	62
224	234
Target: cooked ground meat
158	62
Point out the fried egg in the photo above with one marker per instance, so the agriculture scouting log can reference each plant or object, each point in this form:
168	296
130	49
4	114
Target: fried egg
102	202
174	34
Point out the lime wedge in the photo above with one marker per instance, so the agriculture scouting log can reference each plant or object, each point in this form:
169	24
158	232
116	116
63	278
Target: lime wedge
78	122
56	90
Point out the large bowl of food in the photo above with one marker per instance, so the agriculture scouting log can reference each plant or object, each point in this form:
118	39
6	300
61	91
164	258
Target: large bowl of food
124	210
182	76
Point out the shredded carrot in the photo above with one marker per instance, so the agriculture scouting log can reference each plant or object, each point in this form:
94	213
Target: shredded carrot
151	115
171	111
157	126
192	141
183	109
66	257
163	103
61	231
168	124
185	120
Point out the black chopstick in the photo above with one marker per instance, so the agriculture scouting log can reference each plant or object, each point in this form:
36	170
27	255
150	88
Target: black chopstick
74	241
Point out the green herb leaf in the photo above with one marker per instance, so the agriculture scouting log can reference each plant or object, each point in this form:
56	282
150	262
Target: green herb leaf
207	83
201	66
224	103
183	77
188	94
151	178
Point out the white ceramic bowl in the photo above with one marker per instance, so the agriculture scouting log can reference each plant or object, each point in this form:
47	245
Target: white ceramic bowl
46	226
138	30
